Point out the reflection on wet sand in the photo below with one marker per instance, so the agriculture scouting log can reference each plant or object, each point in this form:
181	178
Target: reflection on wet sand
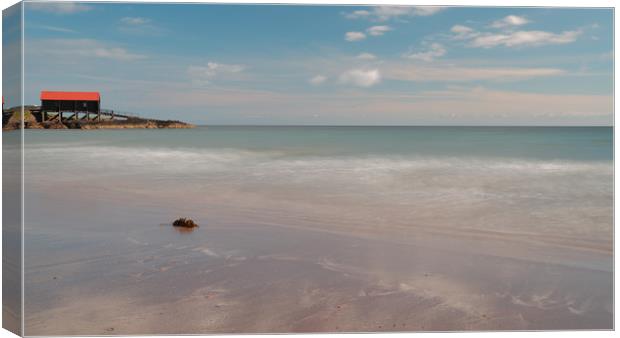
232	276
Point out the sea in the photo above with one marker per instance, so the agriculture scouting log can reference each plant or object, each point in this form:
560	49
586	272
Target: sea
318	229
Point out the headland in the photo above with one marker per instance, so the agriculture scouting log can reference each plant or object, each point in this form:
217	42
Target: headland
35	119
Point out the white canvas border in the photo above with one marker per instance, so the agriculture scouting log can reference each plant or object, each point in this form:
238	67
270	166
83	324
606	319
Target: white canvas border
469	3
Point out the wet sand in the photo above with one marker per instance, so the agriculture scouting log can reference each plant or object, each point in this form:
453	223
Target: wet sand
245	270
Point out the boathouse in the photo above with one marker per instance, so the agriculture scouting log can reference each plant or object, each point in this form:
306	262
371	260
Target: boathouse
85	104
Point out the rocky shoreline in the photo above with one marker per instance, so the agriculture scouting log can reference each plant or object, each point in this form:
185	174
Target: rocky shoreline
11	121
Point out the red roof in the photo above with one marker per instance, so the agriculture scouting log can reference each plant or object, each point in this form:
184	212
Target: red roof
70	96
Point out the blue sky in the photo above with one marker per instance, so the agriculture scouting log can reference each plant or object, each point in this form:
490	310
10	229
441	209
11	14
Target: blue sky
344	65
11	55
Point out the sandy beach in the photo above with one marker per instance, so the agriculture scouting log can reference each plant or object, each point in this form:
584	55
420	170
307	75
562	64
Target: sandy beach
284	252
265	278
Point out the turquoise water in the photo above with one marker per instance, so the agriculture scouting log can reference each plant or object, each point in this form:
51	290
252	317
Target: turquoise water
547	143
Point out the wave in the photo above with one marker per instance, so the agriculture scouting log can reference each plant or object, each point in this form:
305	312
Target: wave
542	196
250	162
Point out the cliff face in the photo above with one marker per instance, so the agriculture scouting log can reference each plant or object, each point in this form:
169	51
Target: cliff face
11	121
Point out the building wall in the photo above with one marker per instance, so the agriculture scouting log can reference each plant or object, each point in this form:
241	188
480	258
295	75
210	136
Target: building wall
82	106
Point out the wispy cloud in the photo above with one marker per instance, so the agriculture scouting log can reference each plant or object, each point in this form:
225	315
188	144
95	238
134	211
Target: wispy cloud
366	56
52	28
354	36
361	77
386	13
378	30
454	104
318	79
510	105
213	70
524	39
448	73
508	37
434	51
59	7
115	53
79	48
372	31
134	21
358	14
510	21
426	10
463	32
139	26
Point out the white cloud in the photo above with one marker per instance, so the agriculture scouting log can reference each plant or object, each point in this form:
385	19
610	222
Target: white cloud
212	71
70	48
354	36
463	32
460	29
115	53
135	20
385	13
139	26
357	14
366	56
214	67
378	30
52	28
448	73
435	50
510	38
59	7
427	10
510	21
317	80
361	77
524	38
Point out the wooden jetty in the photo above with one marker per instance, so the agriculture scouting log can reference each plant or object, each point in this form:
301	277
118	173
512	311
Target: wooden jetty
68	116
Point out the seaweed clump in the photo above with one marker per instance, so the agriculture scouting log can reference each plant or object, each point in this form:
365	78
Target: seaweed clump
184	223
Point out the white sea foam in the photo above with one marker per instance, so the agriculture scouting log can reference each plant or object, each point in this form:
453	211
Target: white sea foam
550	195
108	161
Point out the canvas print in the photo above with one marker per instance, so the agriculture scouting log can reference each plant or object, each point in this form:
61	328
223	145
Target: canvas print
174	168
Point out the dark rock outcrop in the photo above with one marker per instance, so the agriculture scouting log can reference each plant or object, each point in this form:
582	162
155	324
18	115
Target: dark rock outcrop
11	121
185	223
54	125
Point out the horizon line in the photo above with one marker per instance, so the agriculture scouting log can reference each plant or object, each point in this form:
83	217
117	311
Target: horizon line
404	125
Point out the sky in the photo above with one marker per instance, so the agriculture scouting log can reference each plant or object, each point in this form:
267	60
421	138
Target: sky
327	65
11	55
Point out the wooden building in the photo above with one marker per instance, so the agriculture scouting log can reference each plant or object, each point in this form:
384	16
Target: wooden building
86	104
